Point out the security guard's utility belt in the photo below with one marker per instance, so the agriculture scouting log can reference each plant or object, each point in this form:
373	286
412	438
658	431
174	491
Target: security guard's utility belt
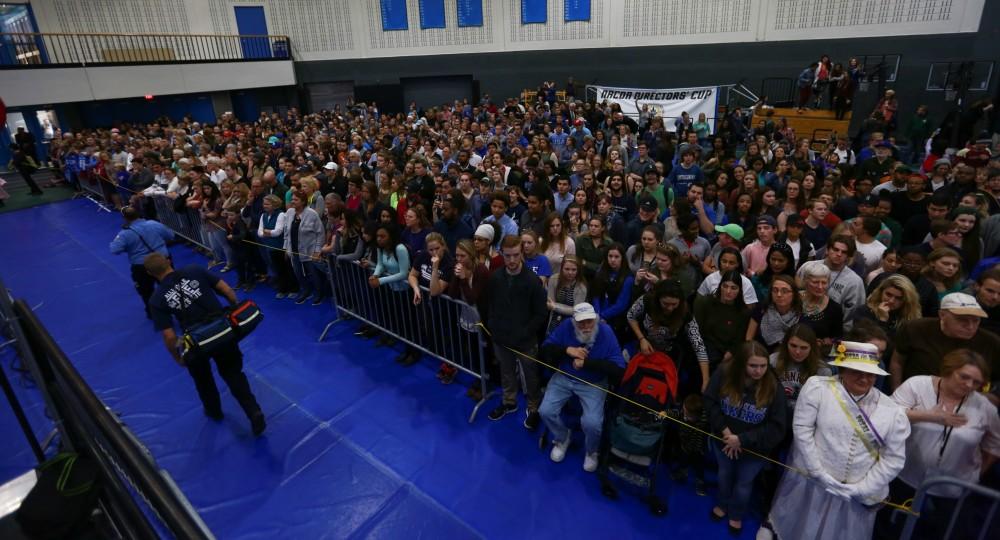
211	336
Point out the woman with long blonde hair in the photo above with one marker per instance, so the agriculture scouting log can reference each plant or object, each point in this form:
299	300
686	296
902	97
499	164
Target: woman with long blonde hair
893	302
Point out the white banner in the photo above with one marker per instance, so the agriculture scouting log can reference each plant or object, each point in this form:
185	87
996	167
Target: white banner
666	103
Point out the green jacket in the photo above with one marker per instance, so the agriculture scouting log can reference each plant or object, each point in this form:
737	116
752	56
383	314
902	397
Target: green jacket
590	254
896	229
918	130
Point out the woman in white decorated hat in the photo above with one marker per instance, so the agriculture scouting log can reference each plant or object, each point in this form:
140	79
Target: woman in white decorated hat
849	443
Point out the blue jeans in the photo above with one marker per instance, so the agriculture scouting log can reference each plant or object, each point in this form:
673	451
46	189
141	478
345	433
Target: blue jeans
308	276
735	481
560	389
221	249
265	253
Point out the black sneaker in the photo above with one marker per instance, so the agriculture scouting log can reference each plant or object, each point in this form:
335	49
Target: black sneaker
411	358
679	475
531	420
699	487
257	424
301	300
502	410
214	415
317	301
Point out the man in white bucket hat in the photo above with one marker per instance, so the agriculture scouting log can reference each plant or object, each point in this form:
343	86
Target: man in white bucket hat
850	439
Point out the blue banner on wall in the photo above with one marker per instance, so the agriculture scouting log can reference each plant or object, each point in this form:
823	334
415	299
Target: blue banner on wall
470	13
577	10
431	14
394	15
534	11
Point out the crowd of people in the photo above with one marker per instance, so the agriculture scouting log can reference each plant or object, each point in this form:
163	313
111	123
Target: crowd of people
746	254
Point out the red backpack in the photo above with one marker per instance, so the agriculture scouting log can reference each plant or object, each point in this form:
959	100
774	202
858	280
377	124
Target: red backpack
651	380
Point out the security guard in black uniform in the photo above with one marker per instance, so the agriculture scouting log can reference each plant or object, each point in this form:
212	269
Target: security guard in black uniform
190	295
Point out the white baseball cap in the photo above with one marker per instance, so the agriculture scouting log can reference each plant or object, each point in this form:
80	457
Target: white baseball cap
583	311
330	166
962	304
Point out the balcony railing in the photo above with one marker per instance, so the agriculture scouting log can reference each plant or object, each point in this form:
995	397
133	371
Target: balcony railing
65	50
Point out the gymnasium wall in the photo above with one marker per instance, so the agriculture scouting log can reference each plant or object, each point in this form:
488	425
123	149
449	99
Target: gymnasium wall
338	44
506	74
348	29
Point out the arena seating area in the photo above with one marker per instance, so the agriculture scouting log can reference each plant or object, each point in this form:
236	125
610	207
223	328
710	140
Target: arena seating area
517	269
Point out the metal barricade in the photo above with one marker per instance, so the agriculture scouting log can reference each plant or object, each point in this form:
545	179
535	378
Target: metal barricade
93	188
442	327
138	498
987	499
186	224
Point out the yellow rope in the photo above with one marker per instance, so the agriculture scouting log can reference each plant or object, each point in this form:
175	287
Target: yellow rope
907	506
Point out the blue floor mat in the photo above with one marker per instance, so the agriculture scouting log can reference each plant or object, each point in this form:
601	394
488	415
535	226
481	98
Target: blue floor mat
356	446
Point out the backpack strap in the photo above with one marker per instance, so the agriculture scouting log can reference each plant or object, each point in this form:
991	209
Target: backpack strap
141	239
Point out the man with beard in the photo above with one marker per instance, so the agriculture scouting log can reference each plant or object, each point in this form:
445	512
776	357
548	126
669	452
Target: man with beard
450	224
587	349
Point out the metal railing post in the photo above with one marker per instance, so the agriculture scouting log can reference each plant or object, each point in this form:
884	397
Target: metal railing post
331	264
966	488
55	49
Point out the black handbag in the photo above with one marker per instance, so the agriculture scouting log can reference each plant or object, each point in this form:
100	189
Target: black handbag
62	499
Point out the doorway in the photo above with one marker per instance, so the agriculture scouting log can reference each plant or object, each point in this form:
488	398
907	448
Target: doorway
250	21
17	45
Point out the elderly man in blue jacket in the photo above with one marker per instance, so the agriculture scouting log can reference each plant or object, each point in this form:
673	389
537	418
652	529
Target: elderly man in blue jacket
586	348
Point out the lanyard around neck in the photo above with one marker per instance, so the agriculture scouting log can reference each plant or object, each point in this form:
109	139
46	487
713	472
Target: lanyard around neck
946	436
